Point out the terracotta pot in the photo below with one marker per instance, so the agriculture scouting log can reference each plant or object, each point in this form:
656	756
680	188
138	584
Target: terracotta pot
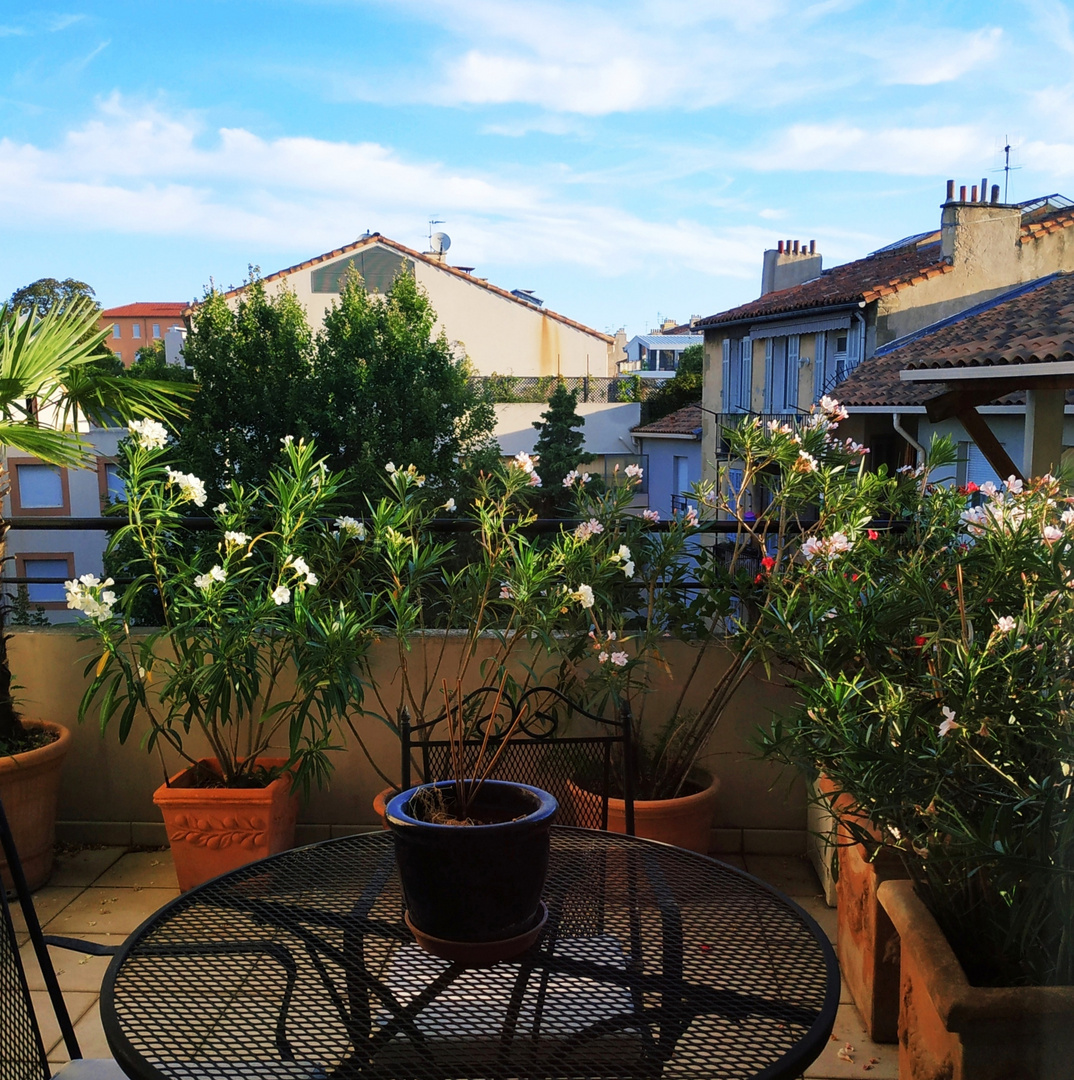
685	822
950	1029
867	942
213	830
380	804
29	787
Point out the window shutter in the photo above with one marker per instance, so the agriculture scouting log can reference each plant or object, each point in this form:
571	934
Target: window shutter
725	384
820	365
790	399
769	376
746	384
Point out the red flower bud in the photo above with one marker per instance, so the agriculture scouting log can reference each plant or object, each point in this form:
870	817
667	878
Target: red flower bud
873	534
768	562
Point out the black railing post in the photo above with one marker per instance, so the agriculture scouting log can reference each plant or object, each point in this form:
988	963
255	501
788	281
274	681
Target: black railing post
404	743
628	765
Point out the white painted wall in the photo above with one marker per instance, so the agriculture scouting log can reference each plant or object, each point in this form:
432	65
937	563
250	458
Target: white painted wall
607	427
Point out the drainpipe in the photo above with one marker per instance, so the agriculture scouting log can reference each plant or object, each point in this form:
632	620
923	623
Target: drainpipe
861	336
896	423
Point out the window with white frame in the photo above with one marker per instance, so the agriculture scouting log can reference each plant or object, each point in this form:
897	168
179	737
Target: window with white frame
744	383
781	373
156	329
136	330
116	332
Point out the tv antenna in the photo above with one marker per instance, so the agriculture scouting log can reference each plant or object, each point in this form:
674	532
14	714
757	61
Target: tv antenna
432	222
1008	168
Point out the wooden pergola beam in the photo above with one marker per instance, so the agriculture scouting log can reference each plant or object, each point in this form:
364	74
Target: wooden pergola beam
978	430
957	397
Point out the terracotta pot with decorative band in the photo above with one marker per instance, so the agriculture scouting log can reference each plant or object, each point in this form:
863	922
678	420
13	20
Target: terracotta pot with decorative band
214	830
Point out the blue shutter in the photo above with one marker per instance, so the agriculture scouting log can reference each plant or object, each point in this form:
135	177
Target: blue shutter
725	385
820	361
790	399
769	376
746	379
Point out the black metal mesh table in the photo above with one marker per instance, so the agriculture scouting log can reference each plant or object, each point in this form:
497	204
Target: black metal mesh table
654	962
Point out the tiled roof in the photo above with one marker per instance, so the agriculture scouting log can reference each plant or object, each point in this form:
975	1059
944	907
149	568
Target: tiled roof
165	310
862	280
376	238
1031	324
668	341
684	421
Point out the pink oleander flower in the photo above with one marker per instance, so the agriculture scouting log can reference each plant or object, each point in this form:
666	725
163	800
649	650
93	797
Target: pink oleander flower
948	725
652	516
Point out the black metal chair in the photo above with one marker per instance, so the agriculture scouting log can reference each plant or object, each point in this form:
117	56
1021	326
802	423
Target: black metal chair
22	1050
579	770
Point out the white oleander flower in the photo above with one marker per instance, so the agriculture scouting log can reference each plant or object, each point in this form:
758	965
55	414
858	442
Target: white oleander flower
449	506
190	487
148	434
281	595
584	595
1005	624
949	723
236	538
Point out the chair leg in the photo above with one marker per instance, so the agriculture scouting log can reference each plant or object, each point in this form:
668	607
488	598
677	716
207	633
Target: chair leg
59	1006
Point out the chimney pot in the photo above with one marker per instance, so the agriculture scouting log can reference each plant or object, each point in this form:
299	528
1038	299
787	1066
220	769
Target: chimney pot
984	189
813	246
962	193
995	194
796	247
973	193
950	190
787	249
779	247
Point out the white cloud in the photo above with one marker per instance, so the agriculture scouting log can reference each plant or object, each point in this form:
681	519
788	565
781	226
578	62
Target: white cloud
944	58
841	147
141	170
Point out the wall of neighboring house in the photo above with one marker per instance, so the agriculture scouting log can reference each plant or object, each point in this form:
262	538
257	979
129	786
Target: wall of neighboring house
147	328
39	491
501	336
674	465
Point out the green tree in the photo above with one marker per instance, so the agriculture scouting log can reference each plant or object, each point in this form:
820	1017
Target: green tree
684	389
385	389
559	445
150	362
48	293
254	367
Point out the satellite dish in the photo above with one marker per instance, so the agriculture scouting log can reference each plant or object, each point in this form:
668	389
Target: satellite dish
439	242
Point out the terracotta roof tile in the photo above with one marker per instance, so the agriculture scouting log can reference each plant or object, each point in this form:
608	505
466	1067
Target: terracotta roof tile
1035	324
684	421
865	279
143	309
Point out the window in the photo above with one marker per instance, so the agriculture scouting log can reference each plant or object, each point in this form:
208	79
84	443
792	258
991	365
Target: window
820	366
38	489
115	330
111	487
781	374
136	330
156	329
58	564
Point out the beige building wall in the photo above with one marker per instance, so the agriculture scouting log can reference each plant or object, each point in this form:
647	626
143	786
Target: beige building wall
107	789
500	335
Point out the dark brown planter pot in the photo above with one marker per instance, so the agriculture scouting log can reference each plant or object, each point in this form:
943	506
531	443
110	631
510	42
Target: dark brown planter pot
29	787
951	1030
867	942
213	830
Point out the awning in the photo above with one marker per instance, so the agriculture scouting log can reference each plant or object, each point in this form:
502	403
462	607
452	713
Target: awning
816	325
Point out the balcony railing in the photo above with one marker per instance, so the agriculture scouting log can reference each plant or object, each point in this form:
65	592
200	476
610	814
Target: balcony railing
507	389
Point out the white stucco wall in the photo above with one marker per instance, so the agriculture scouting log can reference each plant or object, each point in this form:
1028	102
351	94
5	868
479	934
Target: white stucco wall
607	427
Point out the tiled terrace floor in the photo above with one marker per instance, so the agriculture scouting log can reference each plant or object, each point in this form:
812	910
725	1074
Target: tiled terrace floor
105	893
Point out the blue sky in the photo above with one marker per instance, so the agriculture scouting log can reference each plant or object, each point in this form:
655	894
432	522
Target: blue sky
624	160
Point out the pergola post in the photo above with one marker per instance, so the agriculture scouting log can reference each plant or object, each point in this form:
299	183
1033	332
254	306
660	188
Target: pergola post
1043	449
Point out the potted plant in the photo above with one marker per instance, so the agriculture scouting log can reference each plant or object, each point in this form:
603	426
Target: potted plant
938	696
472	852
253	654
49	384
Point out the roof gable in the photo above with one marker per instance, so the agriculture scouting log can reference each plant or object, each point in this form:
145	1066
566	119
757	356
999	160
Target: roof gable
684	421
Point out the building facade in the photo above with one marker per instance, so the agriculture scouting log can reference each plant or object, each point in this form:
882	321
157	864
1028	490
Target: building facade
134	326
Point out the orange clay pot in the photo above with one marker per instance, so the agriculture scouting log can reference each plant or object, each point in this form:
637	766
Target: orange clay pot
685	822
214	830
380	804
29	788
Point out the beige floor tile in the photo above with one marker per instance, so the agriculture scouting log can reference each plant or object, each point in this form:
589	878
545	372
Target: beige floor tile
90	1035
141	870
85	866
48	903
77	1006
109	911
884	1060
791	874
824	915
737	861
74	971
